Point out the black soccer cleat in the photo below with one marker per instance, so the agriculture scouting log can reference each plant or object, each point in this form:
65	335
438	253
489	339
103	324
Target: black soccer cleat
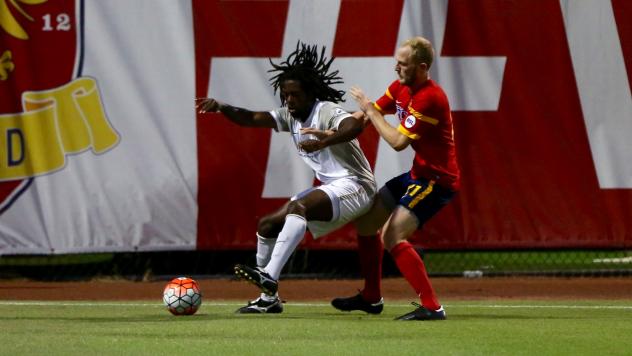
260	306
258	277
357	302
422	313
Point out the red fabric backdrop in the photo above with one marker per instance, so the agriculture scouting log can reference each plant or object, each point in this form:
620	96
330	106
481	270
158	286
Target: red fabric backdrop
528	178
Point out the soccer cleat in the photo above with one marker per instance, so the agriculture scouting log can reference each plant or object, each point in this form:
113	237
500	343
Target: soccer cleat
260	306
357	302
258	277
422	313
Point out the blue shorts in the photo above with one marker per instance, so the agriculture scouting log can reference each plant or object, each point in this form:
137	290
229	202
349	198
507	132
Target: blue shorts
421	196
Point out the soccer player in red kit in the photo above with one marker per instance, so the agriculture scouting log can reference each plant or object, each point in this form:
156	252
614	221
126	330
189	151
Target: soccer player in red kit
415	196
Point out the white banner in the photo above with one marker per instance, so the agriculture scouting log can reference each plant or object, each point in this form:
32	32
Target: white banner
141	194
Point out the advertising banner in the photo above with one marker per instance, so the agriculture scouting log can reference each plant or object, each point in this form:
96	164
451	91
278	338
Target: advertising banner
101	148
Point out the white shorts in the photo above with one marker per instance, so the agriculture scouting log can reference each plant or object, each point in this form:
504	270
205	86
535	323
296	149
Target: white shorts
349	200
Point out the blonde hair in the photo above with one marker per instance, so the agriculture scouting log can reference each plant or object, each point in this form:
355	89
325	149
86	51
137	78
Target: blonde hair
422	51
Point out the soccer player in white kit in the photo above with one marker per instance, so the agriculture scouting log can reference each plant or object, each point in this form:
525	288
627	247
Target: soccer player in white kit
348	186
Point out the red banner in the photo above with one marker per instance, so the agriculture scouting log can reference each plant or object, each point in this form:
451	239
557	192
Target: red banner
38	51
530	175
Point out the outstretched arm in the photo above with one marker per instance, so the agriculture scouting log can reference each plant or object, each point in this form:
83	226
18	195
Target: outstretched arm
241	117
389	133
348	129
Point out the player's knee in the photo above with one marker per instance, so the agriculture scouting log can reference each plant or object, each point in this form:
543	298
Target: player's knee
391	241
269	227
297	208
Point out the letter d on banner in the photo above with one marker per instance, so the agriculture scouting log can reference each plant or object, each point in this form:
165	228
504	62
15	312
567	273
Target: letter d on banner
15	134
32	142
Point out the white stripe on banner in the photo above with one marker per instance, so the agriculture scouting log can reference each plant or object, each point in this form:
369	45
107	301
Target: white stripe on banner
603	86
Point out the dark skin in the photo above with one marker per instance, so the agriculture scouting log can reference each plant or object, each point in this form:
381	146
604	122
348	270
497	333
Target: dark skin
316	205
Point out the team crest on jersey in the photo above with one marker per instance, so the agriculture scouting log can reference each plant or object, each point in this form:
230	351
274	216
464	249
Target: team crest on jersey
400	112
338	112
409	122
48	110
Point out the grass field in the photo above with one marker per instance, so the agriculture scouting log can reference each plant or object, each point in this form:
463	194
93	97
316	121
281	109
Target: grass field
472	328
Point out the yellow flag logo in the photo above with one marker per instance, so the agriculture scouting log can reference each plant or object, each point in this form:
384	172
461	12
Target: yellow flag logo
56	122
9	23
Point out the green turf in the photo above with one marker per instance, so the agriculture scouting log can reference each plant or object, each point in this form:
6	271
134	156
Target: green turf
494	262
472	328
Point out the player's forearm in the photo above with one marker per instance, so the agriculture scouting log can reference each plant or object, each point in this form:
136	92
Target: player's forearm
360	115
386	131
349	129
242	117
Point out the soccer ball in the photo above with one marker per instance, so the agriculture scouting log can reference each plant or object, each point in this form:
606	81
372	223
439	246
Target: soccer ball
182	296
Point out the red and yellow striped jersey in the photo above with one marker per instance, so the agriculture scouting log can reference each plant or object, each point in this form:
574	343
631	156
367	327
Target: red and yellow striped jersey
424	116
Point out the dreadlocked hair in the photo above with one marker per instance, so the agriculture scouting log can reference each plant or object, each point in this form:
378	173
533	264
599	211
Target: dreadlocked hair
309	68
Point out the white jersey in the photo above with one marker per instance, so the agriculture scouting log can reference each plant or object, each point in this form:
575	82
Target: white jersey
343	160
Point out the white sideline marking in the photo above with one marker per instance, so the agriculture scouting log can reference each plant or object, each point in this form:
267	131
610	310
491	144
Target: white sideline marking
613	260
490	306
78	304
616	307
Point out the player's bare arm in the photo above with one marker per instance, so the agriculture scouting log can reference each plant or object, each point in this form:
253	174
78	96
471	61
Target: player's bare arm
321	134
359	115
241	117
348	129
389	133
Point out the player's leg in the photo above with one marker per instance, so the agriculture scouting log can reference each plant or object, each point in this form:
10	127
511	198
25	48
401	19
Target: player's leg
422	200
325	209
370	254
268	229
371	249
314	205
400	226
311	204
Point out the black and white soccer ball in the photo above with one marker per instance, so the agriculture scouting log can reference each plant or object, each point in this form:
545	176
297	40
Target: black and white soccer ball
182	296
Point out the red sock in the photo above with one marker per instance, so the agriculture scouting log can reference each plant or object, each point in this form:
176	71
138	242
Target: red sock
370	251
412	268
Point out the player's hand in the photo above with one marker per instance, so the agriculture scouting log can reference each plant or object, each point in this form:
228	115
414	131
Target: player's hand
319	134
358	95
311	145
205	105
